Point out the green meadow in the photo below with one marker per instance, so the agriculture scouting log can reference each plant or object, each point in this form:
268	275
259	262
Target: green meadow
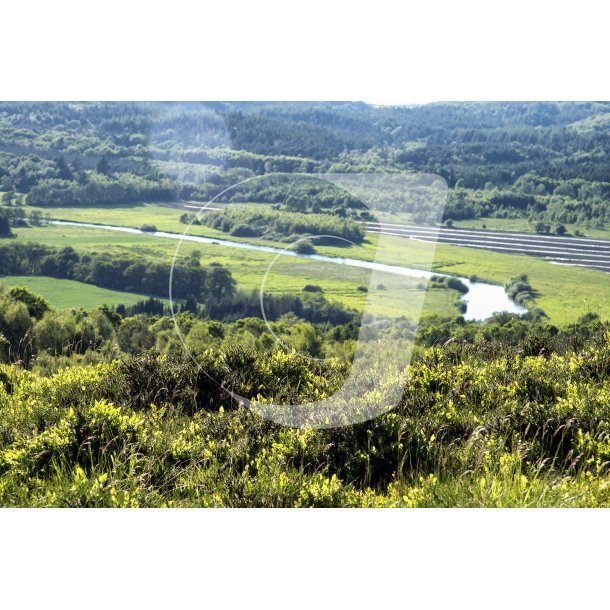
64	294
523	225
287	275
565	293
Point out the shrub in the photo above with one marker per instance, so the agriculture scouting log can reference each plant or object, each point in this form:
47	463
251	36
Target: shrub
305	247
312	288
243	230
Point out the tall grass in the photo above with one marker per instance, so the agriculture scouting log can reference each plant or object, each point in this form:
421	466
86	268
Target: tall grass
474	429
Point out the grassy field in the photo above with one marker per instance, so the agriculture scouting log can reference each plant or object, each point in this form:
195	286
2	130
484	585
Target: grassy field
497	224
524	226
165	218
287	276
521	225
63	294
565	292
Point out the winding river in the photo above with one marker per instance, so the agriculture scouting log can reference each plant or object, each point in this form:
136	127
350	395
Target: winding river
482	299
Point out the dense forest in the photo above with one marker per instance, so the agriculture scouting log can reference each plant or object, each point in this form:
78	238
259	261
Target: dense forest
545	162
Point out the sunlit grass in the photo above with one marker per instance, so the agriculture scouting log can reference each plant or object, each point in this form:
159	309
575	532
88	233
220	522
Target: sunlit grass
288	275
64	294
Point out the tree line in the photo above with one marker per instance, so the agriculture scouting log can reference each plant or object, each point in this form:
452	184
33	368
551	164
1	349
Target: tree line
119	272
282	226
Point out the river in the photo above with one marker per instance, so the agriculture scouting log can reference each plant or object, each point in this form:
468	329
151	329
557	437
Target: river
482	299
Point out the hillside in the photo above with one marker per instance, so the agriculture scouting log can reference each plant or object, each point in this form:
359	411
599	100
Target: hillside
490	426
134	319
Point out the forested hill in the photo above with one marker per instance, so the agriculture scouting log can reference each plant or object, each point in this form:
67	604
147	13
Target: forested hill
542	160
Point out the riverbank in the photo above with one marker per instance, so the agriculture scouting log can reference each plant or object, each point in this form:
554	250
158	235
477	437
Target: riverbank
560	292
482	299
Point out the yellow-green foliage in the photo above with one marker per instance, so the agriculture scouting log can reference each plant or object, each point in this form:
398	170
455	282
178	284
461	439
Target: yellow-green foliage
473	429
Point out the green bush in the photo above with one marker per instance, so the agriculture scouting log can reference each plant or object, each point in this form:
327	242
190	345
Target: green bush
474	427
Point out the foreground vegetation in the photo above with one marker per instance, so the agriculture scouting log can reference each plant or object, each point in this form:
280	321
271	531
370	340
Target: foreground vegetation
491	425
103	408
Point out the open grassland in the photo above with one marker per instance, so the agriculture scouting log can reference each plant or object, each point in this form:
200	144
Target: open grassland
288	275
498	224
64	294
166	218
522	224
565	293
